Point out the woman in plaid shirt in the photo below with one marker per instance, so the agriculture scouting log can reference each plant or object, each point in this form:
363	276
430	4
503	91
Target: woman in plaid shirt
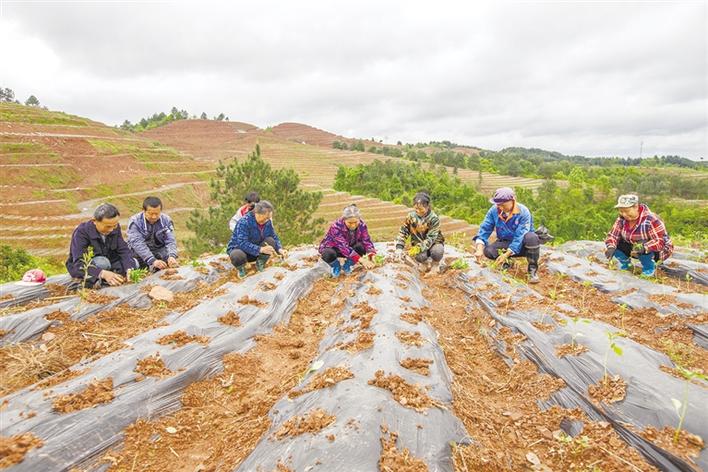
637	233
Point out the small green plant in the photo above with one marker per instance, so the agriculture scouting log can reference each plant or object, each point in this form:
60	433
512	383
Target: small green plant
612	346
688	279
197	263
86	262
460	264
622	310
379	259
553	293
136	275
576	445
681	407
577	334
586	286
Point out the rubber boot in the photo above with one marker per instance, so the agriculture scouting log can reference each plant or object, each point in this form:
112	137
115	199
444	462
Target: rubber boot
348	266
241	271
648	264
625	261
261	262
335	268
532	256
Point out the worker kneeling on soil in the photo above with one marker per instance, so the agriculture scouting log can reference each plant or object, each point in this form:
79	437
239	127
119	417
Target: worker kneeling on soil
516	237
348	237
427	241
638	233
151	237
111	256
254	239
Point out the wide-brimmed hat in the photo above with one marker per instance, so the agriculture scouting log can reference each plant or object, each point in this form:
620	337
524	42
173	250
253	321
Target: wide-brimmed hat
626	201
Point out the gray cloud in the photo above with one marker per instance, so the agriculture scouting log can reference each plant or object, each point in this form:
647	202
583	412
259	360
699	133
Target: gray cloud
580	78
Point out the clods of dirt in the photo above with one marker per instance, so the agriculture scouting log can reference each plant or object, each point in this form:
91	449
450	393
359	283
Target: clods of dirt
230	318
161	294
14	448
404	393
325	379
574	349
364	313
684	444
364	341
314	422
610	389
180	338
421	366
412	338
374	291
152	366
97	392
392	459
246	300
412	317
267	286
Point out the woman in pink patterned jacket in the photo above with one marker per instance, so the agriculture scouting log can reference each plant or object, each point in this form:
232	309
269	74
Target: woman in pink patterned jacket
638	233
348	237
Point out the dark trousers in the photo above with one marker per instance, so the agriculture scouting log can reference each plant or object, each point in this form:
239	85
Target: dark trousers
330	254
626	248
436	253
159	253
240	258
530	249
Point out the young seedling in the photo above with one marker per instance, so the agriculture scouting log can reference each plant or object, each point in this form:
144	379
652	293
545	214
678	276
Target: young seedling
576	445
554	292
379	259
87	262
136	275
586	286
577	334
612	346
196	263
688	279
681	407
460	264
623	309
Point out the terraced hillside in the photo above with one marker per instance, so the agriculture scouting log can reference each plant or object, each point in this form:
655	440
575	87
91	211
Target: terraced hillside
58	167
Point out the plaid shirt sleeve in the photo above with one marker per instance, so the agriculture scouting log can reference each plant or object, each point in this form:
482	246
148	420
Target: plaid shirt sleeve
615	233
654	233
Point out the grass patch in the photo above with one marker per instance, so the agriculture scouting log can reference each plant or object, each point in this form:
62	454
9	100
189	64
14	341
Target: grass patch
15	113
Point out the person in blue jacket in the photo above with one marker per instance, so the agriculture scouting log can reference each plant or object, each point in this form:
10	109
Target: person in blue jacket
254	239
513	224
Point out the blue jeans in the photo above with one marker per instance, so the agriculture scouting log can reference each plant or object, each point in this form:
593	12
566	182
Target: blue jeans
648	260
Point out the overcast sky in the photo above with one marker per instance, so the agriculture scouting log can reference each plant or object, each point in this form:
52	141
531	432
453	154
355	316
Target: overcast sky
591	78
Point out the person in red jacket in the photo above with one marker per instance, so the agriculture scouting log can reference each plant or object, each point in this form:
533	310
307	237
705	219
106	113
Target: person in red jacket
637	233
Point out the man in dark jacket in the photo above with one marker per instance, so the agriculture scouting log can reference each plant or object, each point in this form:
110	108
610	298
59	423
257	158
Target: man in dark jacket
254	239
151	237
112	258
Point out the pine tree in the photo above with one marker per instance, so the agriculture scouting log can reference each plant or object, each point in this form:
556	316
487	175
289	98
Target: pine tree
294	207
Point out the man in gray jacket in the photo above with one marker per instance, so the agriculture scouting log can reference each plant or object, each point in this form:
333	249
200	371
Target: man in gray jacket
151	237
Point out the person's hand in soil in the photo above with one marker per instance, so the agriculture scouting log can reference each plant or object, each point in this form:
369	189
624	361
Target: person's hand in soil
172	262
111	278
367	263
501	259
267	249
283	254
159	265
479	253
609	252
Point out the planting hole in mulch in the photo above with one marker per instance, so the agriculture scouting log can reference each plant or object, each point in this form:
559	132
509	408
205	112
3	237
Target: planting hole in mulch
328	378
412	338
570	350
610	389
422	366
412	317
408	395
246	300
364	313
364	341
393	460
230	318
14	448
152	366
313	423
180	338
97	392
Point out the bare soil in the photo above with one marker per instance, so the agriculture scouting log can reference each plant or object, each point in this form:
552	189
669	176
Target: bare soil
412	338
14	448
408	395
609	390
314	422
97	392
394	460
421	366
152	366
